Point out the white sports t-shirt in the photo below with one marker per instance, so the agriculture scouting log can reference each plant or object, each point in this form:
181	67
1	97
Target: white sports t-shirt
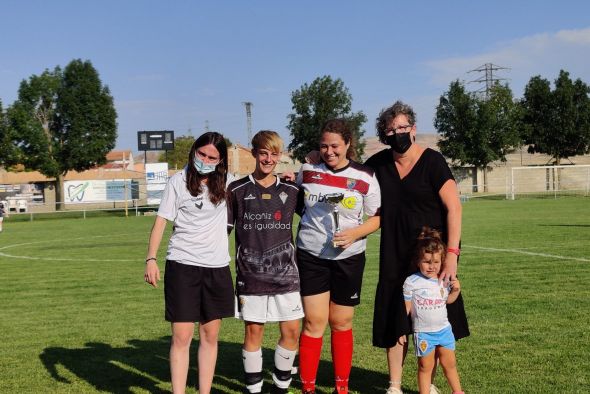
200	228
361	196
429	302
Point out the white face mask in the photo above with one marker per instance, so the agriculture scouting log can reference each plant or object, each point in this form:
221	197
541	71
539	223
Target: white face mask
203	168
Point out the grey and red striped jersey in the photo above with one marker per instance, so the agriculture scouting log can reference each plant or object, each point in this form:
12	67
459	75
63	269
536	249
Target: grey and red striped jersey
361	196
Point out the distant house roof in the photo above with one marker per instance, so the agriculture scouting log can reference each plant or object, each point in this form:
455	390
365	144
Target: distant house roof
119	155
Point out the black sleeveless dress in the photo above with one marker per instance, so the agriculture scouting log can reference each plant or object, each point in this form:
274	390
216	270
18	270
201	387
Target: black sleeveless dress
406	205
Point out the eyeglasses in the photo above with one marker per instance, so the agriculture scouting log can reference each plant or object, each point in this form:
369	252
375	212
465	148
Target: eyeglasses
399	129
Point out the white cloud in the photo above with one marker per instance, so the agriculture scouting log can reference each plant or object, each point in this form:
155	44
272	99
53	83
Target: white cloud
540	54
575	36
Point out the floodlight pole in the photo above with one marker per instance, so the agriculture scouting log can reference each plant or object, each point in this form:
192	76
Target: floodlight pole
248	106
125	185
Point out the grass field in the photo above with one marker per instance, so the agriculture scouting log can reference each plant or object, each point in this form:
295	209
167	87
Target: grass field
77	317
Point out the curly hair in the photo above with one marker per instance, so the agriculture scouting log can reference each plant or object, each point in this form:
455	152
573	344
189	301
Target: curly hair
429	241
388	114
342	128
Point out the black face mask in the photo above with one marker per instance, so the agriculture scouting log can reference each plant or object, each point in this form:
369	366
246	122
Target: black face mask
399	142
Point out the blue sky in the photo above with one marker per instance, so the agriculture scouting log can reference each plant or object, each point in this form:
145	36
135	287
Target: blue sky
179	64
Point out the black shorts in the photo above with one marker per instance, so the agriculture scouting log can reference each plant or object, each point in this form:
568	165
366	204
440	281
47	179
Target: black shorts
342	278
197	294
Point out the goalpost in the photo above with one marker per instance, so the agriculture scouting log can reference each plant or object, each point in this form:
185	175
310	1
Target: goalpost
549	181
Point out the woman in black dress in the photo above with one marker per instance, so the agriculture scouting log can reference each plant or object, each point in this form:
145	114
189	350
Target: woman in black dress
417	189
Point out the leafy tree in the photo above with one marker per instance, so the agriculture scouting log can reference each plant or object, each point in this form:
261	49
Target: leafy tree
477	131
9	155
557	123
455	120
177	158
63	120
313	105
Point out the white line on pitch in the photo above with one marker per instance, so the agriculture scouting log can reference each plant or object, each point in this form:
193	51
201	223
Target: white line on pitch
553	256
62	258
519	251
59	258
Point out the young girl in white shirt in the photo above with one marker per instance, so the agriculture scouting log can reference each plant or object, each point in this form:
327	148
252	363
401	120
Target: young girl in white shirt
197	285
426	298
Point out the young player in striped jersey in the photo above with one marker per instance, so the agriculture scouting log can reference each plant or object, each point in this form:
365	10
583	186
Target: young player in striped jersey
261	210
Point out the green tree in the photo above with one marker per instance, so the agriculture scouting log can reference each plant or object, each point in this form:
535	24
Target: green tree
177	158
476	131
8	155
557	122
63	120
314	104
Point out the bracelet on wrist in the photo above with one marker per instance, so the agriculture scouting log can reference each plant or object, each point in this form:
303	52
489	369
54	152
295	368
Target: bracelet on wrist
456	251
150	259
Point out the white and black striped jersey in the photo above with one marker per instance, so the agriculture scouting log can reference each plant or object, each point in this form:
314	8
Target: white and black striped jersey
262	219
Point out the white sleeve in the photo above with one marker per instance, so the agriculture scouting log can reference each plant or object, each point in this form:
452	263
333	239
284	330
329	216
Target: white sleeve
168	206
372	201
407	289
230	179
299	179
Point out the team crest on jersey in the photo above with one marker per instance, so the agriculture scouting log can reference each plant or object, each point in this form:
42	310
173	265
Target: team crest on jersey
350	183
250	197
349	202
283	196
423	345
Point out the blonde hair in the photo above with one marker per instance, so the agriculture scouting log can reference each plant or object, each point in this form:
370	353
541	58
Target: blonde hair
267	139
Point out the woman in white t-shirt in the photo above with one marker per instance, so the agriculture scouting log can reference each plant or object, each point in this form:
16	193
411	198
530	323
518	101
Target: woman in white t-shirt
197	284
331	252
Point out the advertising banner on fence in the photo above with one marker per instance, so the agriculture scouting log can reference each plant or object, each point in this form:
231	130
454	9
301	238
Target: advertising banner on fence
156	176
77	192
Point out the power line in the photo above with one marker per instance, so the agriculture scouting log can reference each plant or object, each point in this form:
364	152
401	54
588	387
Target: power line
488	78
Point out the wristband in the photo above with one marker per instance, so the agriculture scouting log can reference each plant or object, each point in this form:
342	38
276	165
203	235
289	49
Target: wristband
456	251
150	258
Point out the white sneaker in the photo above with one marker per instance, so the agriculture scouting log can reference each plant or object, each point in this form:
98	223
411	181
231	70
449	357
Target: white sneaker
393	390
434	389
